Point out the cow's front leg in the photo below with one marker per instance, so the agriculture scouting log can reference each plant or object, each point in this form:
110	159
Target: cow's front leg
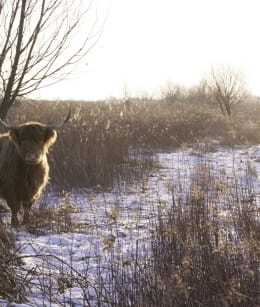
27	208
15	208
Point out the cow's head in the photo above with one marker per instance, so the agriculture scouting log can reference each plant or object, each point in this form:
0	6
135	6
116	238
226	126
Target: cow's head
32	140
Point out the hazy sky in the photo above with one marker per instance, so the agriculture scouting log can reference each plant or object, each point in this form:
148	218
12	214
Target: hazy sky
147	43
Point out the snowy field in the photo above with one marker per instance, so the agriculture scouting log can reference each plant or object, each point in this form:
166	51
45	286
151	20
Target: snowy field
65	268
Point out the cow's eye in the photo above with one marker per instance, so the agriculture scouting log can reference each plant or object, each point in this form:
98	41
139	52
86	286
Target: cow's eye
23	142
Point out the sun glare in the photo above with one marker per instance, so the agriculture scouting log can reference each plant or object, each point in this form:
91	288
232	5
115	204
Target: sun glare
144	44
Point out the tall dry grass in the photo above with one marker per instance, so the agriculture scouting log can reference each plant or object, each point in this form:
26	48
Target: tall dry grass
11	285
100	135
205	251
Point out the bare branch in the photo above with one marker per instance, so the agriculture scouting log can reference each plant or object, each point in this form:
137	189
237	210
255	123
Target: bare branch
41	41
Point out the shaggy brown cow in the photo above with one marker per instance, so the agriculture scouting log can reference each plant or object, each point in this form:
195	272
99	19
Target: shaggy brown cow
24	169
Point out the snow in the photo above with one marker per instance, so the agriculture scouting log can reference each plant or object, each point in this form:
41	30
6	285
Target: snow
112	223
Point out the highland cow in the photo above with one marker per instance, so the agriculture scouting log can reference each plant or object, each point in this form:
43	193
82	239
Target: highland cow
24	169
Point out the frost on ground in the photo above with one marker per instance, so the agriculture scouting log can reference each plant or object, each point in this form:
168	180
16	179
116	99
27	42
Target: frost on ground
67	268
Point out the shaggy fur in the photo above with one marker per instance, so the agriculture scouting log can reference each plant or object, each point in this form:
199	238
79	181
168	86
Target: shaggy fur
24	169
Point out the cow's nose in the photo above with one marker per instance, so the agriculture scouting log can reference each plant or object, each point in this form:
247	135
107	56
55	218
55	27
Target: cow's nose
32	157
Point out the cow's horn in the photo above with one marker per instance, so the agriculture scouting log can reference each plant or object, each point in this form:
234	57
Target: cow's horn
5	125
59	125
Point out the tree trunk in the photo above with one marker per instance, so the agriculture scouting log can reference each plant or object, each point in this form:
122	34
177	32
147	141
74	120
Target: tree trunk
5	105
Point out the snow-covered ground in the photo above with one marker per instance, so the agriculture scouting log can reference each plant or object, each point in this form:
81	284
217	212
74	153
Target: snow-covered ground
64	267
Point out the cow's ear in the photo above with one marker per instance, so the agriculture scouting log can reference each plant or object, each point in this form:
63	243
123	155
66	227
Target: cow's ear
14	136
50	136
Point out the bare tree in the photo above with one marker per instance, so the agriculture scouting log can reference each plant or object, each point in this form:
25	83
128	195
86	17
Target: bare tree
173	92
198	94
41	41
227	88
